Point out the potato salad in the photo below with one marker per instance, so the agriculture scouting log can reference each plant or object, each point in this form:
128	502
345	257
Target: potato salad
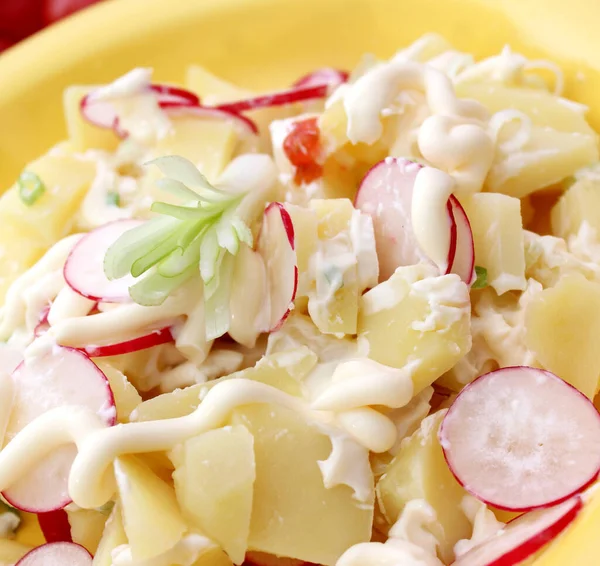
350	322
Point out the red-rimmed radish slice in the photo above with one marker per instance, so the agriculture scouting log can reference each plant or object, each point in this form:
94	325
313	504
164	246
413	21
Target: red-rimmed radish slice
204	112
148	340
60	377
297	94
386	193
101	113
464	257
523	536
55	526
84	268
276	245
325	76
167	94
57	554
519	438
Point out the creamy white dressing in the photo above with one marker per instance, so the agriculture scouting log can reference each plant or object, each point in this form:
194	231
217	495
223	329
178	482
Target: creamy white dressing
485	524
411	541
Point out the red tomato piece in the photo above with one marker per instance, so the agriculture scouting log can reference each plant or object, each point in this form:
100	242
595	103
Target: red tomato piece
302	146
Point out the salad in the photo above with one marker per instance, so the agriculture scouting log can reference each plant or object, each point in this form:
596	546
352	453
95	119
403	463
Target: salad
351	322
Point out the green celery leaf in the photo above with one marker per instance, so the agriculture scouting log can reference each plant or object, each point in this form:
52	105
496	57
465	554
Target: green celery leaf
153	289
217	304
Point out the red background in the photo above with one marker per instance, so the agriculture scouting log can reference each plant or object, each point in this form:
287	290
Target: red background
20	18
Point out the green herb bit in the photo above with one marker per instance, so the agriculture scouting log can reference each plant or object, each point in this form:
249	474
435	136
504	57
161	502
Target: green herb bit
113	198
31	187
199	236
481	282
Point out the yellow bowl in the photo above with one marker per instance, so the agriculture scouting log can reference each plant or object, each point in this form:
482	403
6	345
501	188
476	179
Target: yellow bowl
260	43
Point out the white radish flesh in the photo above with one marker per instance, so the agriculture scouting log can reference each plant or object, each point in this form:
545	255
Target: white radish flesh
57	554
386	195
520	438
277	248
464	255
523	536
60	377
84	268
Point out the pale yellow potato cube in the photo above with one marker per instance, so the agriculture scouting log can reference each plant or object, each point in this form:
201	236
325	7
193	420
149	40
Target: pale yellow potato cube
499	241
87	527
19	250
579	203
82	134
562	329
50	217
419	471
293	514
214	486
12	551
333	302
417	315
151	516
113	536
283	370
547	158
543	108
126	395
213	556
29	532
208	143
306	240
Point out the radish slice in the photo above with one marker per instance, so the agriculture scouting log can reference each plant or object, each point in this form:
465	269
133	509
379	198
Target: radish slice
42	326
174	95
100	113
325	76
149	340
520	438
277	248
281	98
464	257
84	268
57	554
55	526
523	536
58	378
386	195
247	125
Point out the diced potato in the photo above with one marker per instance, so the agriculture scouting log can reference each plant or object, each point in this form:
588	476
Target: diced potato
305	238
499	242
160	464
12	551
284	370
50	217
213	556
579	544
562	325
87	527
113	536
126	396
415	315
208	143
419	471
214	486
333	303
290	499
82	134
579	204
151	517
547	158
543	108
19	250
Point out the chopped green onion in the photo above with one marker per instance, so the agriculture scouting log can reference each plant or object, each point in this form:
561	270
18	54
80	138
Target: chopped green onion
481	281
31	187
198	237
113	198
